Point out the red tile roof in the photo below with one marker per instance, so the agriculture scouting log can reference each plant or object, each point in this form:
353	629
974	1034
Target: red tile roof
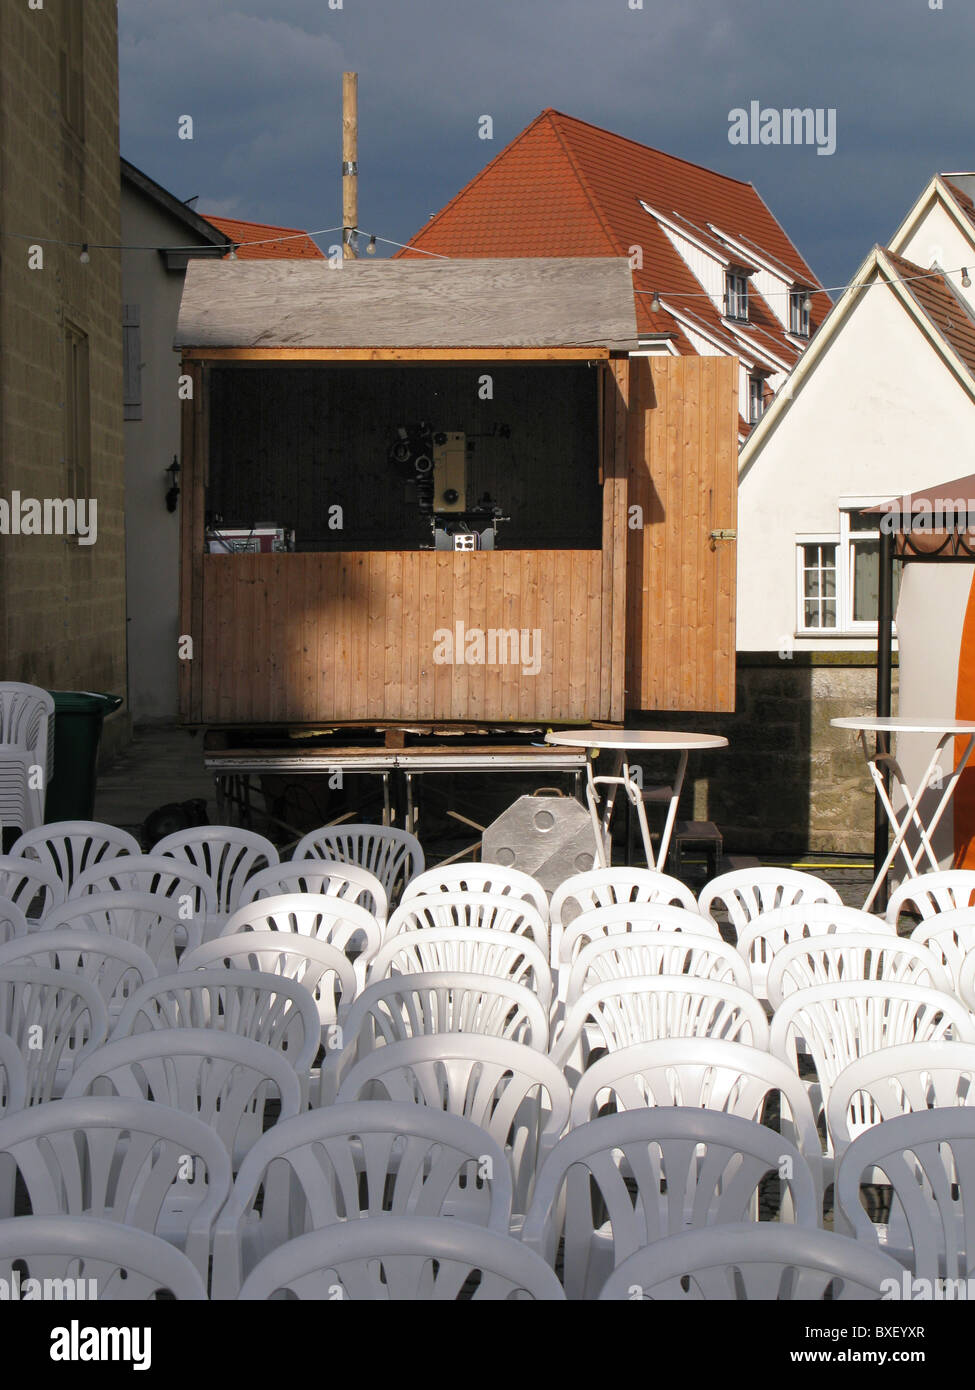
272	243
567	188
945	309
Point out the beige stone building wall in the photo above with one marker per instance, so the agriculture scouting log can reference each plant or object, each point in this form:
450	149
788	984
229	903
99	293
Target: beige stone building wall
62	610
788	782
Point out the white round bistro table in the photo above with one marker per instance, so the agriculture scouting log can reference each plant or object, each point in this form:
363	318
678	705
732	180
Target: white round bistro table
622	742
879	763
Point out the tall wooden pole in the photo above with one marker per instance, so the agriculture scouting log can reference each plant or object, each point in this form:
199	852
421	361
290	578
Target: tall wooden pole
350	162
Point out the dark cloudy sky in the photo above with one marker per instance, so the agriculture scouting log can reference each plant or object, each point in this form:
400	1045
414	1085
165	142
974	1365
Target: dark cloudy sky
262	82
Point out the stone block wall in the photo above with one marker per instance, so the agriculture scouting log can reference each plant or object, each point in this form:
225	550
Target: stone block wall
62	605
788	783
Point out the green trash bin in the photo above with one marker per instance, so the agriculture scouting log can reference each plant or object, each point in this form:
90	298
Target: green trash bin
78	718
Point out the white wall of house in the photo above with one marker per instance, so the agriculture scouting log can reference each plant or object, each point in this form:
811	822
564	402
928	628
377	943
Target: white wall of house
152	532
877	415
937	239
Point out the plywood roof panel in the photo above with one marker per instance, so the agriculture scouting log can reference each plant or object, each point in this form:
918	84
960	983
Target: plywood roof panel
521	303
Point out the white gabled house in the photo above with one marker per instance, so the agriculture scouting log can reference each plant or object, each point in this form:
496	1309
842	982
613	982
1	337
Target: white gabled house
881	403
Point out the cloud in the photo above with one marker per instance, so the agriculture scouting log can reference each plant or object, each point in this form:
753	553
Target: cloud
263	83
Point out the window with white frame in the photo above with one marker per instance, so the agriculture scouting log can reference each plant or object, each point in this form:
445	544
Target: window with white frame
838	576
817	585
799	307
736	294
756	399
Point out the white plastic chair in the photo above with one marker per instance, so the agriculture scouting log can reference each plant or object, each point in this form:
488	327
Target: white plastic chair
117	968
753	1262
949	936
352	1161
148	920
319	968
69	847
347	881
898	1081
512	1091
840	1022
746	893
644	1008
472	950
264	1008
393	855
13	923
335	921
189	888
323	970
223	1079
496	911
605	887
625	954
839	956
650	1174
600	922
145	1165
966	980
928	1160
56	1018
117	1263
769	932
397	1259
432	1003
13	1077
227	854
478	878
929	894
26	746
31	886
700	1072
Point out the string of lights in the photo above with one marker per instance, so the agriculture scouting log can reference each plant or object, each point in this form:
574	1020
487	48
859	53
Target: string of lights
657	295
86	247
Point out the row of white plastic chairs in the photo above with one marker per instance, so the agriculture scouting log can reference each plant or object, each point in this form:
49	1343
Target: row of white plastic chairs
167	920
149	1166
228	856
661	995
452	1021
655	980
227	859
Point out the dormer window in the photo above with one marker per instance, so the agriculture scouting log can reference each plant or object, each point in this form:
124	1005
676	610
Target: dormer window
800	304
736	294
756	399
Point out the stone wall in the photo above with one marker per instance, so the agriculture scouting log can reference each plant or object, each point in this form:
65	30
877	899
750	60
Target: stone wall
788	783
63	606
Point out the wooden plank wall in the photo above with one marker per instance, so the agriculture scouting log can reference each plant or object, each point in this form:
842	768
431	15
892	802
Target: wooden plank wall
304	638
682	447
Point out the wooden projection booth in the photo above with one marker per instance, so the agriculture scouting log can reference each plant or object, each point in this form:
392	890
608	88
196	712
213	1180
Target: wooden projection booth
351	427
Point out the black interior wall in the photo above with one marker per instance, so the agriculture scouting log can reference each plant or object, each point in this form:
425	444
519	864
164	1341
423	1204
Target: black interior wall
287	444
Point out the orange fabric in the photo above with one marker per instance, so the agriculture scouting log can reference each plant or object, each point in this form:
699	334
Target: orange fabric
963	803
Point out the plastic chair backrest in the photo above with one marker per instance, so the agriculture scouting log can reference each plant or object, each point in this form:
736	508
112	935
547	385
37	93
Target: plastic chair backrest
70	847
756	1261
119	1263
148	920
347	881
227	855
404	1259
